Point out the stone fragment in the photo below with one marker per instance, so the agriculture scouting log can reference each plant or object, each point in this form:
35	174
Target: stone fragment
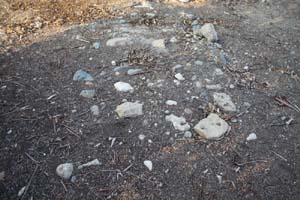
160	44
171	103
123	87
132	72
214	87
88	93
209	32
94	162
129	109
224	101
251	136
96	45
95	110
148	164
212	127
82	75
179	77
65	170
179	123
121	41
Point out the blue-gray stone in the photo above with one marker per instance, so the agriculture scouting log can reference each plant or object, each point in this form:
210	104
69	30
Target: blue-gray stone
132	72
88	93
82	75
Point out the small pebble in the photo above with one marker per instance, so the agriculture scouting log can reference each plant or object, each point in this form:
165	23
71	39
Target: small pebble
251	136
179	77
148	164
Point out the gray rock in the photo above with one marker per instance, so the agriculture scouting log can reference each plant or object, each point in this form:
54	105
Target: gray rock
65	170
96	45
179	123
82	75
88	93
95	110
132	72
251	136
129	109
209	32
224	101
212	127
121	41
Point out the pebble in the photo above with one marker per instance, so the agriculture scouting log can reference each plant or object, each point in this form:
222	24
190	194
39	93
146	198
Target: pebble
224	101
179	77
218	72
94	162
176	67
148	164
132	72
96	45
171	103
188	134
121	41
179	123
160	44
88	93
129	109
231	86
82	75
209	32
198	62
251	136
95	110
65	170
173	40
212	127
123	87
142	137
214	87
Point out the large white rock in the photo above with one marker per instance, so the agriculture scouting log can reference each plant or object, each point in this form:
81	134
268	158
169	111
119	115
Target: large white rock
65	170
129	109
148	164
211	127
179	123
224	101
209	32
121	41
123	87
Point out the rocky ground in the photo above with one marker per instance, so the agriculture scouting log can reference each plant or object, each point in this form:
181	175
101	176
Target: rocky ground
170	100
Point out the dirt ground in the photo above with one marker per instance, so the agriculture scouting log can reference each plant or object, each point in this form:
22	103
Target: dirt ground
45	122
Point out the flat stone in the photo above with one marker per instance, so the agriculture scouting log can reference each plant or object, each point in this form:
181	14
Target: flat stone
214	87
212	127
121	41
123	87
188	134
82	75
88	93
132	72
65	170
209	32
179	123
224	101
129	109
179	77
251	136
160	44
171	103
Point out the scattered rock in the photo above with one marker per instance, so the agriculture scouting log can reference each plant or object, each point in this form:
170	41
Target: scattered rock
224	101
212	127
121	41
132	72
171	103
94	162
179	77
96	45
123	87
160	44
179	123
88	93
148	164
251	136
209	32
82	75
95	110
129	109
65	170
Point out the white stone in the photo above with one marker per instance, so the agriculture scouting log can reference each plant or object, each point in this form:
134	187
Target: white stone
177	82
91	163
95	110
179	77
184	1
129	109
142	137
123	87
148	164
212	127
65	170
179	123
209	32
121	41
160	44
251	136
171	103
188	134
224	101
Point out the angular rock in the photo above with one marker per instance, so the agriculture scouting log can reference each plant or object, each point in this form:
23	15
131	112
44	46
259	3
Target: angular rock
121	41
65	170
123	87
148	164
171	103
160	44
179	123
212	127
129	109
179	77
82	75
95	110
224	101
91	163
132	72
209	32
88	93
